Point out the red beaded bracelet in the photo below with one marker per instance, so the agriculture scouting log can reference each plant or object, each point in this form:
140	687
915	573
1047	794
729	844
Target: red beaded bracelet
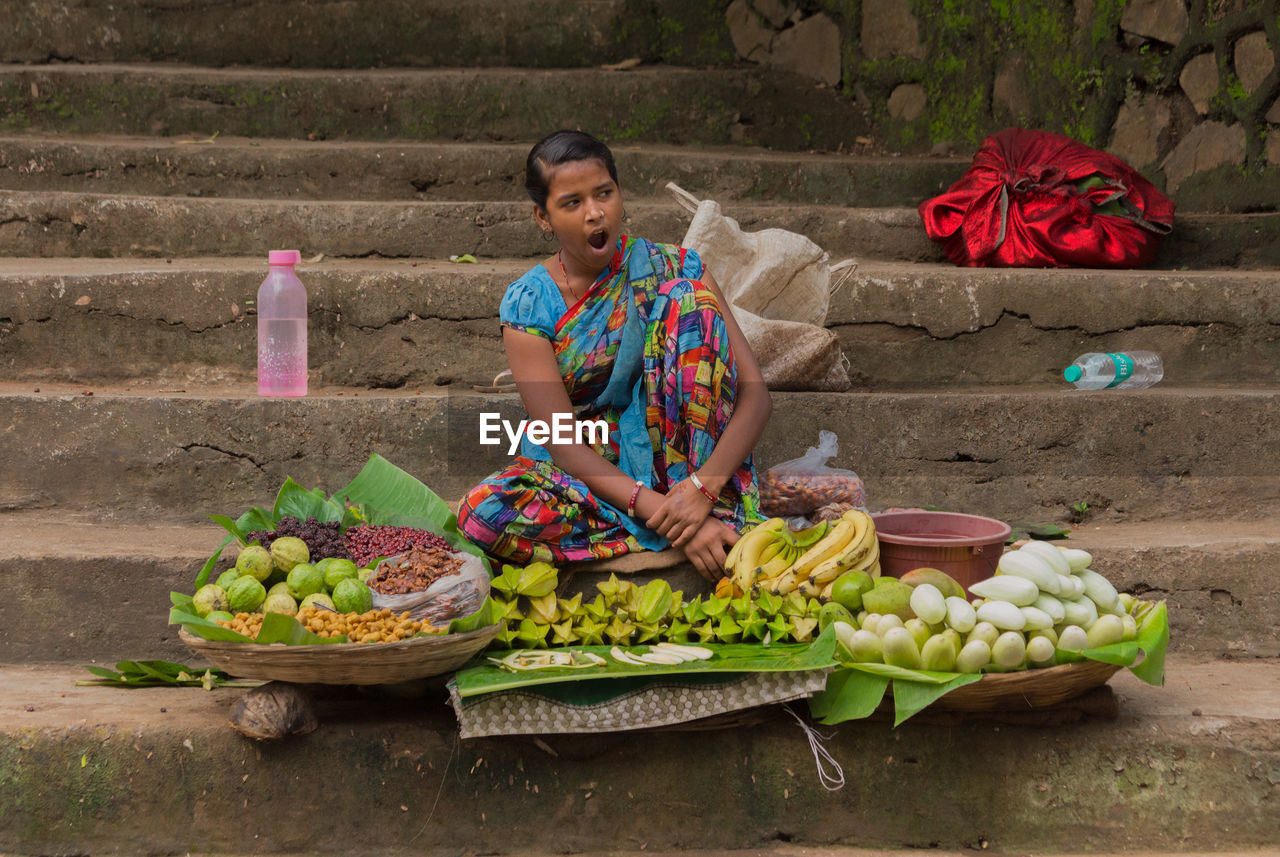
697	483
635	495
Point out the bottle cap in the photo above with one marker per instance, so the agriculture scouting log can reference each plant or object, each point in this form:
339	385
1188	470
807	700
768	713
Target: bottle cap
284	257
1073	373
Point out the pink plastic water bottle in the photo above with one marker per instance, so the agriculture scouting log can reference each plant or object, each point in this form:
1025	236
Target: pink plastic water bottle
282	328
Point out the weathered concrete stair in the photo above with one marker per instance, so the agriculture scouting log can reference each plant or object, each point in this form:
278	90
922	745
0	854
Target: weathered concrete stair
1164	452
665	104
411	323
1185	767
63	574
366	33
36	223
402	171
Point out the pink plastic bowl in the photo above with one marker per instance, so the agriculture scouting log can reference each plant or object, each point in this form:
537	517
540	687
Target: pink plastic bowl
967	547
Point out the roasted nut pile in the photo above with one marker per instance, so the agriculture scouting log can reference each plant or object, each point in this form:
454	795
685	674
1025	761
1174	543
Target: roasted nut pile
248	624
375	626
800	494
415	571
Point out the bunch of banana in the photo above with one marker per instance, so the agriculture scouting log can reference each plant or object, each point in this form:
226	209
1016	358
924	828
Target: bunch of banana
860	553
769	550
774	559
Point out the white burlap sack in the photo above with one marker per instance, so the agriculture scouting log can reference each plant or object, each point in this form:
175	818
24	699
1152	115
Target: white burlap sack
779	287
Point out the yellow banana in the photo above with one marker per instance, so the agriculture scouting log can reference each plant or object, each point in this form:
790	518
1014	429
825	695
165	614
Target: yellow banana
862	543
831	545
776	565
749	549
784	583
832	569
825	594
807	589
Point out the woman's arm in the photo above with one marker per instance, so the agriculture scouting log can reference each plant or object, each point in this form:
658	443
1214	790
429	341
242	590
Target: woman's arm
751	411
682	510
537	376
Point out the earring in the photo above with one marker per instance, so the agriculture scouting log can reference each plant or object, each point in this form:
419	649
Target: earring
548	236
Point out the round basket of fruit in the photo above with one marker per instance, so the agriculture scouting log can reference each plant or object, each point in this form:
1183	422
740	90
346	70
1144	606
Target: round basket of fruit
305	599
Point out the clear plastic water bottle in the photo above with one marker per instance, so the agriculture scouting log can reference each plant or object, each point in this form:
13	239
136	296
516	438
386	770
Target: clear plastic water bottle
1131	370
282	328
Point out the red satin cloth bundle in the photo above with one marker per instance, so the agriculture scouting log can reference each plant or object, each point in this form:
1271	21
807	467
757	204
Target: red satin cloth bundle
1033	199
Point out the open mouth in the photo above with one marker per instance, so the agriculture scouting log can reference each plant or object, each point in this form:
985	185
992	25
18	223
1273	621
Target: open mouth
598	239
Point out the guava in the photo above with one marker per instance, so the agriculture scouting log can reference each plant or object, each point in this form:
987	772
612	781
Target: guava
337	570
305	579
279	587
280	602
220	616
246	594
352	596
224	579
318	599
255	562
288	551
364	574
208	598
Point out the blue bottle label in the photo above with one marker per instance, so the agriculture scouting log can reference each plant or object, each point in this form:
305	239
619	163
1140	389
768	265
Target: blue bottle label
1124	368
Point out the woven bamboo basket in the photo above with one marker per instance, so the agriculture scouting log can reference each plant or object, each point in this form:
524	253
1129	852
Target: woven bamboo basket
344	663
1027	689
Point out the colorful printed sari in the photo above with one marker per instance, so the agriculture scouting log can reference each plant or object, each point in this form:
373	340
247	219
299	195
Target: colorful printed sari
645	350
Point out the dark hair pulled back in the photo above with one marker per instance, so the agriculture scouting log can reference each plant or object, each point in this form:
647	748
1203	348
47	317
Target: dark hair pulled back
562	147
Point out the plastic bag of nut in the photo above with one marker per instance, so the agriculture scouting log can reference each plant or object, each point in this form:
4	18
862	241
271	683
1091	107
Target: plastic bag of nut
431	583
805	484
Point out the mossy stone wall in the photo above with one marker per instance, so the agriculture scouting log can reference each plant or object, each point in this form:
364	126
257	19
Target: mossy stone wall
1188	91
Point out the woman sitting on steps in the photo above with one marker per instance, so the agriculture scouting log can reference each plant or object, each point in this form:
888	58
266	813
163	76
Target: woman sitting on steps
619	329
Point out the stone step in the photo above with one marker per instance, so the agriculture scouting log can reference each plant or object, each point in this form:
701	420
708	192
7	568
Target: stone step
1189	765
661	104
396	323
50	223
1025	454
81	589
362	170
369	33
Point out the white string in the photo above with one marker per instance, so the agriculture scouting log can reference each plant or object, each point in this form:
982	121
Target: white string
832	783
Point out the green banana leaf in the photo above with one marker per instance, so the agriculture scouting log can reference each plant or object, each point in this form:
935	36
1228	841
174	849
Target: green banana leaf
483	677
852	697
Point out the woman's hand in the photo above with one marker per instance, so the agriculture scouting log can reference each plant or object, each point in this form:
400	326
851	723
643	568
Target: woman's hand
683	510
709	546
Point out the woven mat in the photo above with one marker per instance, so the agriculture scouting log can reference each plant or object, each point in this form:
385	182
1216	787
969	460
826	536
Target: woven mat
620	705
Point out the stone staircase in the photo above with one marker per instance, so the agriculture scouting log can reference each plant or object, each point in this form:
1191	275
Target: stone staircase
138	197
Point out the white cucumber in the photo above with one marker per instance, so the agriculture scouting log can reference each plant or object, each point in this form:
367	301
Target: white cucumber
1073	638
960	614
928	604
1010	649
1099	589
887	623
1050	605
1029	566
1051	555
1107	630
1002	614
975	655
844	634
1078	560
1007	587
1072	586
1040	650
1081	611
984	631
1037	619
1130	627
